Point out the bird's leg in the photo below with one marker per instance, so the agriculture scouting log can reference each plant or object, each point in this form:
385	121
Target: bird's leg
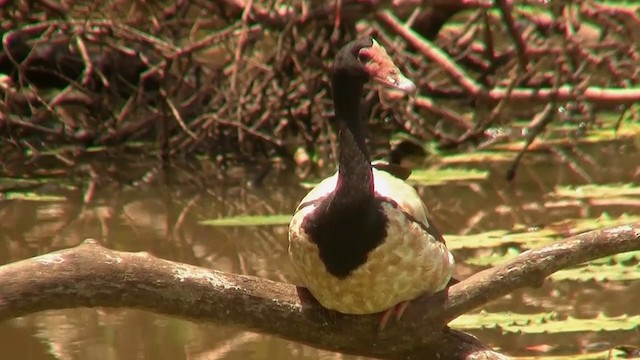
398	309
401	309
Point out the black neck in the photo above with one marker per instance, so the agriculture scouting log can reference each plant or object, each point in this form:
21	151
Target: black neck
347	225
355	180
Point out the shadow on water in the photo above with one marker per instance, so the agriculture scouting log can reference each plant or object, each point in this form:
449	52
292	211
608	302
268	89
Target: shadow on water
128	207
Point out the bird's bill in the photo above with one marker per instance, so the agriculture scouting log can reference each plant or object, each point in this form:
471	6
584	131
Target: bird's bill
384	71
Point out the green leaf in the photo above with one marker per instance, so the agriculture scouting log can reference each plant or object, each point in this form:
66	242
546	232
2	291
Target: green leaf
432	176
597	191
577	226
86	149
529	239
477	157
543	323
494	258
9	181
628	129
496	238
445	175
595	272
249	220
507	321
622	258
30	196
603	355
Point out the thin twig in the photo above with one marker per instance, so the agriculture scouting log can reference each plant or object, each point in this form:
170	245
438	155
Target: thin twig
536	126
431	51
507	15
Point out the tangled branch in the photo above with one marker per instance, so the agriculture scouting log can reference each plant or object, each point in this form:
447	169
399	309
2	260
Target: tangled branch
217	83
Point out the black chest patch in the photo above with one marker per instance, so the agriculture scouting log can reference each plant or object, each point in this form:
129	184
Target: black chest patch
345	233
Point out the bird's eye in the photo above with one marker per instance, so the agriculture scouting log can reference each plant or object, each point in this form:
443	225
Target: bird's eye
364	56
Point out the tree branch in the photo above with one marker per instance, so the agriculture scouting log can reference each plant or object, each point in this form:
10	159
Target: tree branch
90	275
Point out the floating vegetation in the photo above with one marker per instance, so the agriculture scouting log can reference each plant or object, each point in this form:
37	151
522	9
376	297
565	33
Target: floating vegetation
622	258
445	175
619	267
8	181
495	238
603	272
495	257
435	176
626	130
543	322
597	191
477	157
15	186
525	238
30	196
249	220
576	226
602	355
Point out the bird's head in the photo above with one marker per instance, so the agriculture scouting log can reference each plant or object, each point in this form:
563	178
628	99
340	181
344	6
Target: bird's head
366	59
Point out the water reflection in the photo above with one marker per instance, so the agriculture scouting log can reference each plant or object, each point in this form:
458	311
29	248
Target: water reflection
160	214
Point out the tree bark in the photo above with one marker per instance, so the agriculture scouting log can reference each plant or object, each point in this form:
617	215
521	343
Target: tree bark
90	275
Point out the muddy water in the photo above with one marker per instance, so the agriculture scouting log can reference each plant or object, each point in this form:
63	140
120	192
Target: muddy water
159	213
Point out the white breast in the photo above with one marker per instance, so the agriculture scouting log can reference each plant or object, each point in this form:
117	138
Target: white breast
410	261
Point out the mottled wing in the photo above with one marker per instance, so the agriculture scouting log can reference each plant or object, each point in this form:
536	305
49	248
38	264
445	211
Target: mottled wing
407	198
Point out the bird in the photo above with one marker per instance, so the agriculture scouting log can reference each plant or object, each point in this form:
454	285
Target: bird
361	241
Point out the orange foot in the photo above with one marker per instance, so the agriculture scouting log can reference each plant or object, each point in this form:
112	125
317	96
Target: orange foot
398	309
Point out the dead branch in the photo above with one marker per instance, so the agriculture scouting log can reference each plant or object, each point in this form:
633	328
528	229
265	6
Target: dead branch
432	52
230	88
537	125
594	94
447	114
506	11
90	275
